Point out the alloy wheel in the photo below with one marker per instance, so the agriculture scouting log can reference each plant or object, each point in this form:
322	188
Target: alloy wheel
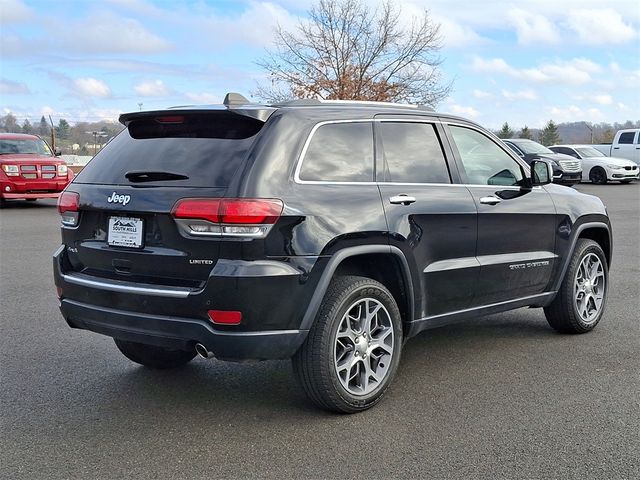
589	288
364	346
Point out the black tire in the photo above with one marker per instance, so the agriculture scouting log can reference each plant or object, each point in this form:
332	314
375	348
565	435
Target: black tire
563	313
598	176
313	364
154	357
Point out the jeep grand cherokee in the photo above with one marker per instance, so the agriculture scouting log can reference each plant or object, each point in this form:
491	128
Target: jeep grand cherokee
325	232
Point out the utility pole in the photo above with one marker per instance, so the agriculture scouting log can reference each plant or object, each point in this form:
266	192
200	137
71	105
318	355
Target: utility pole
96	134
53	135
590	130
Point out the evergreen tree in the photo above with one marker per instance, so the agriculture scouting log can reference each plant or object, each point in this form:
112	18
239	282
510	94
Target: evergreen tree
27	127
43	127
505	131
549	134
526	133
63	128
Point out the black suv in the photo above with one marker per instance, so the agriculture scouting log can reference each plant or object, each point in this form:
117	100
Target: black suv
567	170
328	232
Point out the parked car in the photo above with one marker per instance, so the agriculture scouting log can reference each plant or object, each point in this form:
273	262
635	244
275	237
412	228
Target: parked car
597	167
292	231
566	170
626	144
29	170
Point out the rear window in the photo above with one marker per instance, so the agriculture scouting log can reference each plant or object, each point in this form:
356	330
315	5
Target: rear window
207	149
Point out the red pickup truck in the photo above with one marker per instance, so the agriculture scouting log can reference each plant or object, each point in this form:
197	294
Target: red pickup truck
29	169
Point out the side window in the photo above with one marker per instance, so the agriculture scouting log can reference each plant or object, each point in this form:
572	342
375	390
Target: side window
515	149
627	138
565	151
484	161
570	151
412	153
340	152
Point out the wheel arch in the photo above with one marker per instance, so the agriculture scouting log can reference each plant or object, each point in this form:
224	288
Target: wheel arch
599	232
598	167
600	235
373	261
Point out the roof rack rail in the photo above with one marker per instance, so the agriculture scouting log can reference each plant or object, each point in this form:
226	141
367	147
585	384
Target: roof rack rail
306	102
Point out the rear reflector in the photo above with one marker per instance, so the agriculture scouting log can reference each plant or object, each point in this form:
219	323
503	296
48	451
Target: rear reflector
242	211
225	317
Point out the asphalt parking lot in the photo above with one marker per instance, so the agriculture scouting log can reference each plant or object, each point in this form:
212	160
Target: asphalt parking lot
501	396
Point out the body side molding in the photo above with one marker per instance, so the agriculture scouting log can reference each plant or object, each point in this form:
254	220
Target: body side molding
484	260
436	321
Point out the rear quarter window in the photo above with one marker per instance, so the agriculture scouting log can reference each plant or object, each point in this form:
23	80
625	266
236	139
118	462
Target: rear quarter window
339	152
208	149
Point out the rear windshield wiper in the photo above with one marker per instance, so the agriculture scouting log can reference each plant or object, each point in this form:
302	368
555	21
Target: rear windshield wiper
145	176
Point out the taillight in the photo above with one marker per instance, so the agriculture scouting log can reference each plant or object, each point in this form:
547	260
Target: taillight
68	203
240	217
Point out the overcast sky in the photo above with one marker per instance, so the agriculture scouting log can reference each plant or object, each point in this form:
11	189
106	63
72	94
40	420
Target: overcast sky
519	61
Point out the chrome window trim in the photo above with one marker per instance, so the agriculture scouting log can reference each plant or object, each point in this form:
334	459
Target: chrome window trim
296	175
493	138
511	154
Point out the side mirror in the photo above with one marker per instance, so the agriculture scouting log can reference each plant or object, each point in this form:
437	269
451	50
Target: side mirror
541	173
57	152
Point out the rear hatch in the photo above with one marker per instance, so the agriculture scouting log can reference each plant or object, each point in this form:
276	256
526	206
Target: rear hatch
125	229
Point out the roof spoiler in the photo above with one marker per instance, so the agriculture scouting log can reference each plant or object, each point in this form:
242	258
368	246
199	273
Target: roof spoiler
232	103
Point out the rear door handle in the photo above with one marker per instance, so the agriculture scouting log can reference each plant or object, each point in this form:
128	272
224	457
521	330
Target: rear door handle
402	199
491	200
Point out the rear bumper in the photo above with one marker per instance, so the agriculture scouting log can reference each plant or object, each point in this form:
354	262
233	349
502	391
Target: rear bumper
182	333
267	295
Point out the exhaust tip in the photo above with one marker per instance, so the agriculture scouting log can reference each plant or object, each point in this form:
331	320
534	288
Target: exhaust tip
202	351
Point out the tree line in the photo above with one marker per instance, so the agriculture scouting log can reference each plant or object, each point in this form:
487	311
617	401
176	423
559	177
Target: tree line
568	132
82	138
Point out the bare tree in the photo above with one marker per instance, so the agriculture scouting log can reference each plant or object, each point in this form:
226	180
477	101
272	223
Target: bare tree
345	50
